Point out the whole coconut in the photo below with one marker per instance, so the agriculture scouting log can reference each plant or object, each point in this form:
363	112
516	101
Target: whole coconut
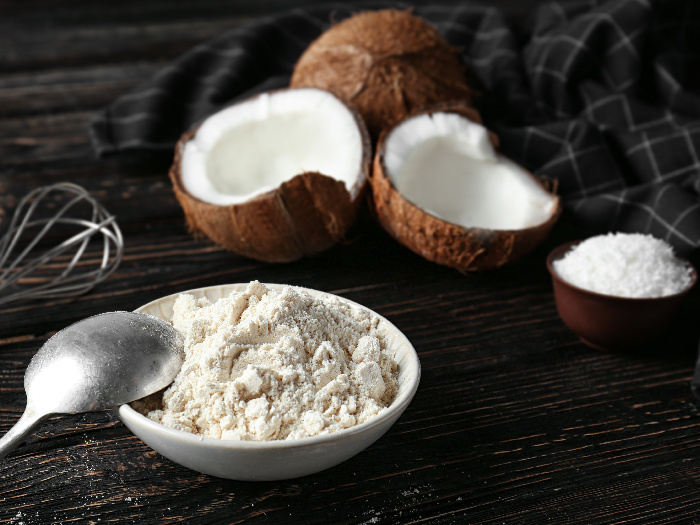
386	63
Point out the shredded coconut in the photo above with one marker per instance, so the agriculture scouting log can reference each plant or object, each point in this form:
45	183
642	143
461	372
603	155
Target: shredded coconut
267	364
625	265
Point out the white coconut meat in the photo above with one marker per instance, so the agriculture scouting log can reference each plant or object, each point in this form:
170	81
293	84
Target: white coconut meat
446	165
252	147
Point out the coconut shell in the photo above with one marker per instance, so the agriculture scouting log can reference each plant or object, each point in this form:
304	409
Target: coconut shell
465	249
305	215
386	63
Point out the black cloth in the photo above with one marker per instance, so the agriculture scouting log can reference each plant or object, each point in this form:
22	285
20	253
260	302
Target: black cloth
600	95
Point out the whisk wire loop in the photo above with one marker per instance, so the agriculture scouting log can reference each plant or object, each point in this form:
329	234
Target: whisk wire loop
56	280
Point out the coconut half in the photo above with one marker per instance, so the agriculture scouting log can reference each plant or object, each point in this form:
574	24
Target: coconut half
276	177
386	63
440	188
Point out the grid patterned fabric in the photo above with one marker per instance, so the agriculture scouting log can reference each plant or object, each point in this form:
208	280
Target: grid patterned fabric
602	96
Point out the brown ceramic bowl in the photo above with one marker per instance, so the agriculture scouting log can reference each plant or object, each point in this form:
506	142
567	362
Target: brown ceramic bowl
608	322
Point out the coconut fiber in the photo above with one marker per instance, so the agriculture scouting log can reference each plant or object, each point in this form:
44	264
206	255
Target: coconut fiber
601	96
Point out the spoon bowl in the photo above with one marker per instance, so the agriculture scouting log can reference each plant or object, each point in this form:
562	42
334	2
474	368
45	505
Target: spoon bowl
97	363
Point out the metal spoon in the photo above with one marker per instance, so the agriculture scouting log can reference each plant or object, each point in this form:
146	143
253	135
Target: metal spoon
94	364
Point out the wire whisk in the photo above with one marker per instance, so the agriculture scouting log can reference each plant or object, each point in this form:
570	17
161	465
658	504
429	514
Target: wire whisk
37	261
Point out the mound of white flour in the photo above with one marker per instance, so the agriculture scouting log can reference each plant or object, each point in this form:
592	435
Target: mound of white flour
265	365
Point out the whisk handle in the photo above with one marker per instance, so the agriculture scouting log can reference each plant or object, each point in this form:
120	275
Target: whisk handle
24	426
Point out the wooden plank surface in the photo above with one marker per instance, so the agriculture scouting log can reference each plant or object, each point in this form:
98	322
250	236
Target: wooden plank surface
515	420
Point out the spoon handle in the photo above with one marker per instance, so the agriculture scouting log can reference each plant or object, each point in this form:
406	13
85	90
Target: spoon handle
24	426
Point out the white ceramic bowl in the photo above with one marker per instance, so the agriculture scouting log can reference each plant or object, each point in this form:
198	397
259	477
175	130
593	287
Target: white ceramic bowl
273	460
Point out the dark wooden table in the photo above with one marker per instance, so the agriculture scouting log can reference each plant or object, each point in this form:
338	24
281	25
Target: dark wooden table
515	420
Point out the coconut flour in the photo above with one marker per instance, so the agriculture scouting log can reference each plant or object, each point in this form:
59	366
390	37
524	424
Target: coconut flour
267	364
625	265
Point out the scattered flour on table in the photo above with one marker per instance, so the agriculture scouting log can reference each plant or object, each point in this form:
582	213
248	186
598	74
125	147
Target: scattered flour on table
267	364
625	265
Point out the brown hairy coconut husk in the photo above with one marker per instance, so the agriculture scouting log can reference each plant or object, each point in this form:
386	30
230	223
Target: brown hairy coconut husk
465	248
386	63
302	216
